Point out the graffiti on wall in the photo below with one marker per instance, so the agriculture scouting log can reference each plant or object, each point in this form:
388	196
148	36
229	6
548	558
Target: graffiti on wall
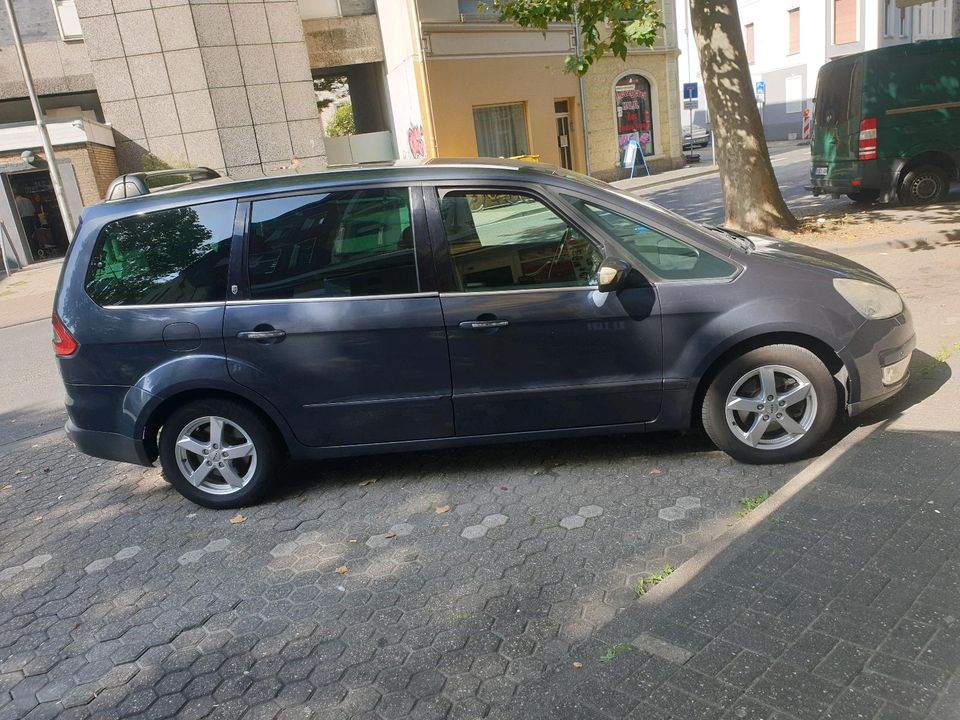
415	143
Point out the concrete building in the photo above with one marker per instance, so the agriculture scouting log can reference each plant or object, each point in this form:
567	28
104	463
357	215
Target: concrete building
788	41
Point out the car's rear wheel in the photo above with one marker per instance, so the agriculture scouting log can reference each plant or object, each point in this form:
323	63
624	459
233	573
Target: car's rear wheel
864	197
770	405
218	453
924	185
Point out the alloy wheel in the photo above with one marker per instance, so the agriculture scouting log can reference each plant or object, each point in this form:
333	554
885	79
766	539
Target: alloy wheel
771	407
216	455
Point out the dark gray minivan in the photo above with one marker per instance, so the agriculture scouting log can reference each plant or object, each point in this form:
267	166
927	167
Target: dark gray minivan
224	326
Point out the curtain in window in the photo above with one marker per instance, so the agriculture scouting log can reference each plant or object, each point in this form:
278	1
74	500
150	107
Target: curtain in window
501	131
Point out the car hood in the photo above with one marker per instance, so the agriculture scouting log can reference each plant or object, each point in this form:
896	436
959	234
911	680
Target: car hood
802	255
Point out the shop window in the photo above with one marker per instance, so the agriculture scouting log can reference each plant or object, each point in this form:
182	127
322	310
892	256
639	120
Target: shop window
634	113
501	130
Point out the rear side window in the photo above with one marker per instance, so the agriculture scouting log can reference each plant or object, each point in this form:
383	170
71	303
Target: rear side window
170	256
838	93
668	257
340	244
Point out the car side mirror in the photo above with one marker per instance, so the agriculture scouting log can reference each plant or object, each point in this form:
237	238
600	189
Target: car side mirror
612	275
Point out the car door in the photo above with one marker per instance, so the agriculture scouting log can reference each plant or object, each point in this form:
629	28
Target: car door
340	326
533	344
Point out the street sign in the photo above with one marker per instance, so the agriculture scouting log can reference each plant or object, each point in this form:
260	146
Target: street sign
691	104
761	91
690	91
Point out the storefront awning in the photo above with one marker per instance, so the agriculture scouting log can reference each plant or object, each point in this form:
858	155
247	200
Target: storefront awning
26	136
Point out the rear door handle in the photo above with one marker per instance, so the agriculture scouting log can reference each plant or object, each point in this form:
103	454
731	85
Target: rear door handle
262	335
483	324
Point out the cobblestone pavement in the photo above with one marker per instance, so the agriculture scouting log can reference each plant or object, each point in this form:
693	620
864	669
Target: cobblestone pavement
843	604
422	585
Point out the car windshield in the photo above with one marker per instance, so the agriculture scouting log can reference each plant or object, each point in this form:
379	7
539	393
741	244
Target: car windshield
741	242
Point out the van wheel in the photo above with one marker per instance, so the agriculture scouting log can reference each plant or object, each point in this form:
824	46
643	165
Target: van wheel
864	197
770	405
218	453
923	185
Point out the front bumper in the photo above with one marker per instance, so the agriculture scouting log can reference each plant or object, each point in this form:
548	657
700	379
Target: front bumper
879	344
108	445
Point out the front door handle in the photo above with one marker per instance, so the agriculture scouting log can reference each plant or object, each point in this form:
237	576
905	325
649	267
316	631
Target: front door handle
483	324
262	335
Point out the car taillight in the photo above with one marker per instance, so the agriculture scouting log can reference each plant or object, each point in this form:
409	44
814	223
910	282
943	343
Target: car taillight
868	139
64	344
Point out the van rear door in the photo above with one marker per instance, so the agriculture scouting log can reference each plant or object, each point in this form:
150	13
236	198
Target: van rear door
835	151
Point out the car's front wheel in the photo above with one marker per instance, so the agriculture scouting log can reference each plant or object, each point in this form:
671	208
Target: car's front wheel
218	453
770	405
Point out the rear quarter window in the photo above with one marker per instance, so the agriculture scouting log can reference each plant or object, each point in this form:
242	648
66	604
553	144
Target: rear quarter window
179	255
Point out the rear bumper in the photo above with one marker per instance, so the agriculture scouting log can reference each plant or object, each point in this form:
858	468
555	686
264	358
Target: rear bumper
108	445
879	344
877	175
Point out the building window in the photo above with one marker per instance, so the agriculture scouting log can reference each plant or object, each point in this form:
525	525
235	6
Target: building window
889	10
67	19
501	130
794	21
904	23
634	103
844	21
794	94
748	41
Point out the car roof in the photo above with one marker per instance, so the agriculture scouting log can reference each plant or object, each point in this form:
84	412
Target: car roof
397	171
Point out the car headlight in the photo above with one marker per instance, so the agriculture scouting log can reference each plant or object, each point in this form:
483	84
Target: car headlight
874	302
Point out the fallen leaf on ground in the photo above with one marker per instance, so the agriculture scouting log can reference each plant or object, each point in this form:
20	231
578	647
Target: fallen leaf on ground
445	525
364	483
656	471
37	518
6	487
341	570
442	509
353	541
237	519
578	664
388	536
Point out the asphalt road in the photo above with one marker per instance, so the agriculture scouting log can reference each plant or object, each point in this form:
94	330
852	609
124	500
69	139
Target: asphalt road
701	199
31	396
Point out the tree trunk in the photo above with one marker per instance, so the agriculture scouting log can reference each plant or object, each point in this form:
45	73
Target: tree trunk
752	197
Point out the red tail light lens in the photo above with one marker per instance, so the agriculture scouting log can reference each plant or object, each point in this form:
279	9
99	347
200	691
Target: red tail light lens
868	139
64	344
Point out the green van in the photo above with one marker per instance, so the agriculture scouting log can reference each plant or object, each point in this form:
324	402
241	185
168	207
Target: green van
887	123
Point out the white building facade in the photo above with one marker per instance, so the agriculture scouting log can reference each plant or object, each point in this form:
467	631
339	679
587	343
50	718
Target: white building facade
788	41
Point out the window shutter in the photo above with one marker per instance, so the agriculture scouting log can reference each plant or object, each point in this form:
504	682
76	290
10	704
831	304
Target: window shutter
794	16
844	21
748	41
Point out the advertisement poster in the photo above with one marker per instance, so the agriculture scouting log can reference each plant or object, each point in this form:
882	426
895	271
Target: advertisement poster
634	116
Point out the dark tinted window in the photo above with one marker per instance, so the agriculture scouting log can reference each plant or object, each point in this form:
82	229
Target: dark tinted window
506	241
668	257
838	93
341	244
170	256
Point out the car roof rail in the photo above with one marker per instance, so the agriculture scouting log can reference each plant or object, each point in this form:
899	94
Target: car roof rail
140	183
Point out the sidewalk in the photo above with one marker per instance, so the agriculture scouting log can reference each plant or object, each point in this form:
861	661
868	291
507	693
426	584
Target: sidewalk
27	295
688	172
835	599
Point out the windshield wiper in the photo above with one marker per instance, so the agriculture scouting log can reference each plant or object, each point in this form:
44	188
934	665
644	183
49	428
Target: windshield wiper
743	241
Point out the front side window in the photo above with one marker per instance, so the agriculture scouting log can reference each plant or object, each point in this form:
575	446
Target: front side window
634	113
668	257
508	241
171	256
338	244
501	130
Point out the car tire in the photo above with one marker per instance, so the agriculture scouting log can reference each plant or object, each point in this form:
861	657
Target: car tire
924	185
219	453
741	419
864	197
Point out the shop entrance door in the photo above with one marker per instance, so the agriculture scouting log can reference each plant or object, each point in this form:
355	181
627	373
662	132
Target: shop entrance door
36	204
561	109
